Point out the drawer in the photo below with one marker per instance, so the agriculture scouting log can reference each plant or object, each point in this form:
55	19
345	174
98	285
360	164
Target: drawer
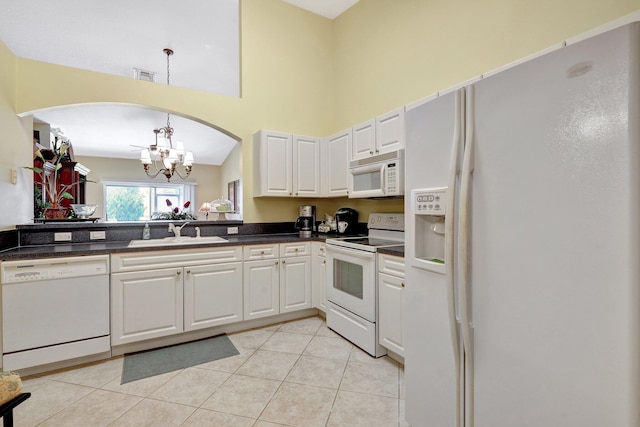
295	249
150	260
257	252
392	265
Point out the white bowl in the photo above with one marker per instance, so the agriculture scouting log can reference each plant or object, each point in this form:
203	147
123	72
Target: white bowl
83	211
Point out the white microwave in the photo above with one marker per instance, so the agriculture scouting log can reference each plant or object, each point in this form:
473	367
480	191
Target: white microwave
381	175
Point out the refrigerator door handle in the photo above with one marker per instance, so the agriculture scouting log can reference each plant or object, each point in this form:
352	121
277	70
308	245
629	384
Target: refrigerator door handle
463	251
450	259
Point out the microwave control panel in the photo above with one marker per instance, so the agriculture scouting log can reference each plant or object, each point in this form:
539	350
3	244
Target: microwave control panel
429	201
391	182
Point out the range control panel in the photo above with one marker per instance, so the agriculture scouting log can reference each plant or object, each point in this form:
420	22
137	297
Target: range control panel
429	201
386	221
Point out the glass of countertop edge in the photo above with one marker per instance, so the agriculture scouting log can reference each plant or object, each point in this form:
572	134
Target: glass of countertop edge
171	241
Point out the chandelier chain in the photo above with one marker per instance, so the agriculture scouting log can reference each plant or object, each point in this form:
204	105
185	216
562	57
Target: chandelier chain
169	52
166	159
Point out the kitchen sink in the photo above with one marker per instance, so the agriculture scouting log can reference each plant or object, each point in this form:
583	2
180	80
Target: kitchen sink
171	241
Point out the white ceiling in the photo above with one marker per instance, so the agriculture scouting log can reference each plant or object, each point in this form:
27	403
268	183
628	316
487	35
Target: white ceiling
328	8
116	36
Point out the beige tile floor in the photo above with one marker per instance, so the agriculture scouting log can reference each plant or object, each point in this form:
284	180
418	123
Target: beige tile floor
298	373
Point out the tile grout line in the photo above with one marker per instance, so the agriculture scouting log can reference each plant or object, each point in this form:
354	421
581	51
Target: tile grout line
283	380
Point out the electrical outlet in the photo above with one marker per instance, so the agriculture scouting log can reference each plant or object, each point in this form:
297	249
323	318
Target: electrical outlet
232	230
62	237
97	235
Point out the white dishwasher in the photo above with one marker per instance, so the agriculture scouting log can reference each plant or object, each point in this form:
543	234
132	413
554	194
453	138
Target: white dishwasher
54	309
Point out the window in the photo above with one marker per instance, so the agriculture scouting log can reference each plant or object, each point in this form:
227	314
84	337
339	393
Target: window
136	201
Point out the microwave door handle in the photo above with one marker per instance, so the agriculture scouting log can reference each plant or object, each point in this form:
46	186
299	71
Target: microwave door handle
383	178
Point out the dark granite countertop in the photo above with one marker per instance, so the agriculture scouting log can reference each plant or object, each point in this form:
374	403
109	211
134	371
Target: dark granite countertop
393	250
107	247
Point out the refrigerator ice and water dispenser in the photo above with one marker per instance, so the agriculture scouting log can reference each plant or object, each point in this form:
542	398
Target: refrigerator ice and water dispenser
429	211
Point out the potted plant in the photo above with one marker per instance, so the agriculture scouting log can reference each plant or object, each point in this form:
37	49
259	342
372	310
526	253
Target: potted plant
52	192
175	213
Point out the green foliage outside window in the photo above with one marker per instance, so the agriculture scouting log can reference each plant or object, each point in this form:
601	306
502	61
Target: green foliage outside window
125	204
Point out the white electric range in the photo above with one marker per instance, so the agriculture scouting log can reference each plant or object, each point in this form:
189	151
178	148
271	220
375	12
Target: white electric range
352	285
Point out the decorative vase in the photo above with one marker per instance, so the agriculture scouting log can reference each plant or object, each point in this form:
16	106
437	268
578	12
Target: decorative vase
59	212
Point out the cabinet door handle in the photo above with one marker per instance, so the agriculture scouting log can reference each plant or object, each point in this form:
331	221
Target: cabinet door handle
402	284
377	151
370	152
324	261
178	272
283	261
188	271
276	263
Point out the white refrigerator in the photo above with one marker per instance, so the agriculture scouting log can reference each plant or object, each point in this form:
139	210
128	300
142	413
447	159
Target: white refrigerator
533	319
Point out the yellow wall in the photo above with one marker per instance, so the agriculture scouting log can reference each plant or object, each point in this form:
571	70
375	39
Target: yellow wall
390	53
105	169
15	145
305	74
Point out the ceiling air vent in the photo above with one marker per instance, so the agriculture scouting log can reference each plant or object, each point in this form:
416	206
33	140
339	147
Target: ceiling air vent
144	75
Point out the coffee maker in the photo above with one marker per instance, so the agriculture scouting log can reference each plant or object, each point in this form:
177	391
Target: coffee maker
347	221
306	221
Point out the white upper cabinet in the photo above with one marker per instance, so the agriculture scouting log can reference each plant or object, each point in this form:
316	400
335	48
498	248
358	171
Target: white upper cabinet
337	147
390	131
364	140
273	164
381	135
306	166
286	165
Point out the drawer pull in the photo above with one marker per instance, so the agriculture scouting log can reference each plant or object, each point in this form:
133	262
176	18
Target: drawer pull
261	252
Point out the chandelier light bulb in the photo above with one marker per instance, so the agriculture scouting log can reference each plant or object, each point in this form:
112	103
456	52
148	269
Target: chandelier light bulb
188	159
180	148
145	156
162	143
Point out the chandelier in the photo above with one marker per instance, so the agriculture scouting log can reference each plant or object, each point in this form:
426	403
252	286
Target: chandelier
167	159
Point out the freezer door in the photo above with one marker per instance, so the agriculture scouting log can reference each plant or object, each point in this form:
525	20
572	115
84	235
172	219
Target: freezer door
432	350
554	239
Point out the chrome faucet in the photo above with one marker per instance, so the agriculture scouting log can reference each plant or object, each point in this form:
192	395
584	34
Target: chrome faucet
176	230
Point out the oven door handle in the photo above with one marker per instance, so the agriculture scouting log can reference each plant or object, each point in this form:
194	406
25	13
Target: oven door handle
350	252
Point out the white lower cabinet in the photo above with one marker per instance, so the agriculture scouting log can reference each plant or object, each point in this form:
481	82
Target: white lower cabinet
261	288
212	295
146	304
318	275
156	294
160	293
277	279
295	283
391	303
